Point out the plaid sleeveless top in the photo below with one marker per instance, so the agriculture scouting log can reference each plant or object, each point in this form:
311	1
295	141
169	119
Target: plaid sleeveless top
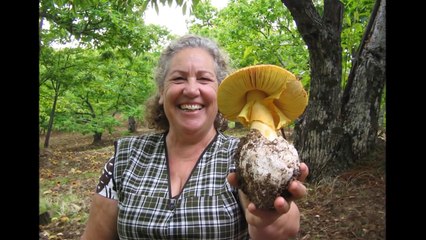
207	208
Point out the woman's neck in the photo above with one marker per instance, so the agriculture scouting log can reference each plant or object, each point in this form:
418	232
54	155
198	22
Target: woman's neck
189	140
188	144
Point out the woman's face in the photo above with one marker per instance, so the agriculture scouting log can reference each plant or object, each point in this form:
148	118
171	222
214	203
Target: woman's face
189	95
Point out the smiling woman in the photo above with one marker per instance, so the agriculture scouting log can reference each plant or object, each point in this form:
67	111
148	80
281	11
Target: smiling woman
172	17
176	182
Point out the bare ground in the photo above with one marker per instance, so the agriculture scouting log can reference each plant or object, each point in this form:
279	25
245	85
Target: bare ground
350	206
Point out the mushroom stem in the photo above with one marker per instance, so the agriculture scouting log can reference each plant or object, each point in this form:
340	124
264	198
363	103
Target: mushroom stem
264	129
261	117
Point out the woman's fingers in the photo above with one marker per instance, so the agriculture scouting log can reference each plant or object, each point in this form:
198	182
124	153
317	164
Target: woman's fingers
297	189
304	172
281	205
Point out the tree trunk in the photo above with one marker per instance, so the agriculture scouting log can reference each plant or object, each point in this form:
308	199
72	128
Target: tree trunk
363	94
132	126
328	137
97	138
51	117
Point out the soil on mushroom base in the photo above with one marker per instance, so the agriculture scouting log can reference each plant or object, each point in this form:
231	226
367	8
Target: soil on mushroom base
350	206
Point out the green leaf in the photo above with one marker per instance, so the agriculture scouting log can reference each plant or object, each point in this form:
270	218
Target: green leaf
144	6
184	8
248	51
157	10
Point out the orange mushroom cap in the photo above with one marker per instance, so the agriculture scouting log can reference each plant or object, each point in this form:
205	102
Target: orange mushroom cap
265	94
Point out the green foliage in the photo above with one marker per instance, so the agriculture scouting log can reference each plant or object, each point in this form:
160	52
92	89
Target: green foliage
356	16
96	24
183	3
109	71
254	32
263	31
110	82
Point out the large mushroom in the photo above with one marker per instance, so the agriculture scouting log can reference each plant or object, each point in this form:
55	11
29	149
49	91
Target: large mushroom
264	98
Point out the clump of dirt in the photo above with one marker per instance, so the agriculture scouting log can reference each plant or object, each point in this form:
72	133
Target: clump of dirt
265	168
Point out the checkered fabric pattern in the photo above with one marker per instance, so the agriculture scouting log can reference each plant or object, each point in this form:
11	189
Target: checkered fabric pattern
207	208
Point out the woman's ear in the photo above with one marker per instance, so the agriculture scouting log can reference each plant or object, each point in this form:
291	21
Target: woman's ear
160	98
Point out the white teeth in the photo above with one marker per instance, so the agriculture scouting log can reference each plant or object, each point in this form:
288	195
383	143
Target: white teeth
190	107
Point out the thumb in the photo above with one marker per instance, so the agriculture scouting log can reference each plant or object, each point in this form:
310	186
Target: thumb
232	179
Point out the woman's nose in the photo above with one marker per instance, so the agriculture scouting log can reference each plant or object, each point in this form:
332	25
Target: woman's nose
191	88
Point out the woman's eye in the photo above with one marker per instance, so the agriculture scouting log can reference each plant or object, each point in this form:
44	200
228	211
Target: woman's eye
205	79
178	79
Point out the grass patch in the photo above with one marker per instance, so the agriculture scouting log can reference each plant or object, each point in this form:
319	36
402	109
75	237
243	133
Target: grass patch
64	205
65	198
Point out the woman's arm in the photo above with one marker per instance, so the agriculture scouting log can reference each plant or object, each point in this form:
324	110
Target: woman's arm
102	222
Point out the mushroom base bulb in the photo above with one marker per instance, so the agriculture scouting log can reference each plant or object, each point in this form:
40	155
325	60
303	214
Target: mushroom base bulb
265	168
